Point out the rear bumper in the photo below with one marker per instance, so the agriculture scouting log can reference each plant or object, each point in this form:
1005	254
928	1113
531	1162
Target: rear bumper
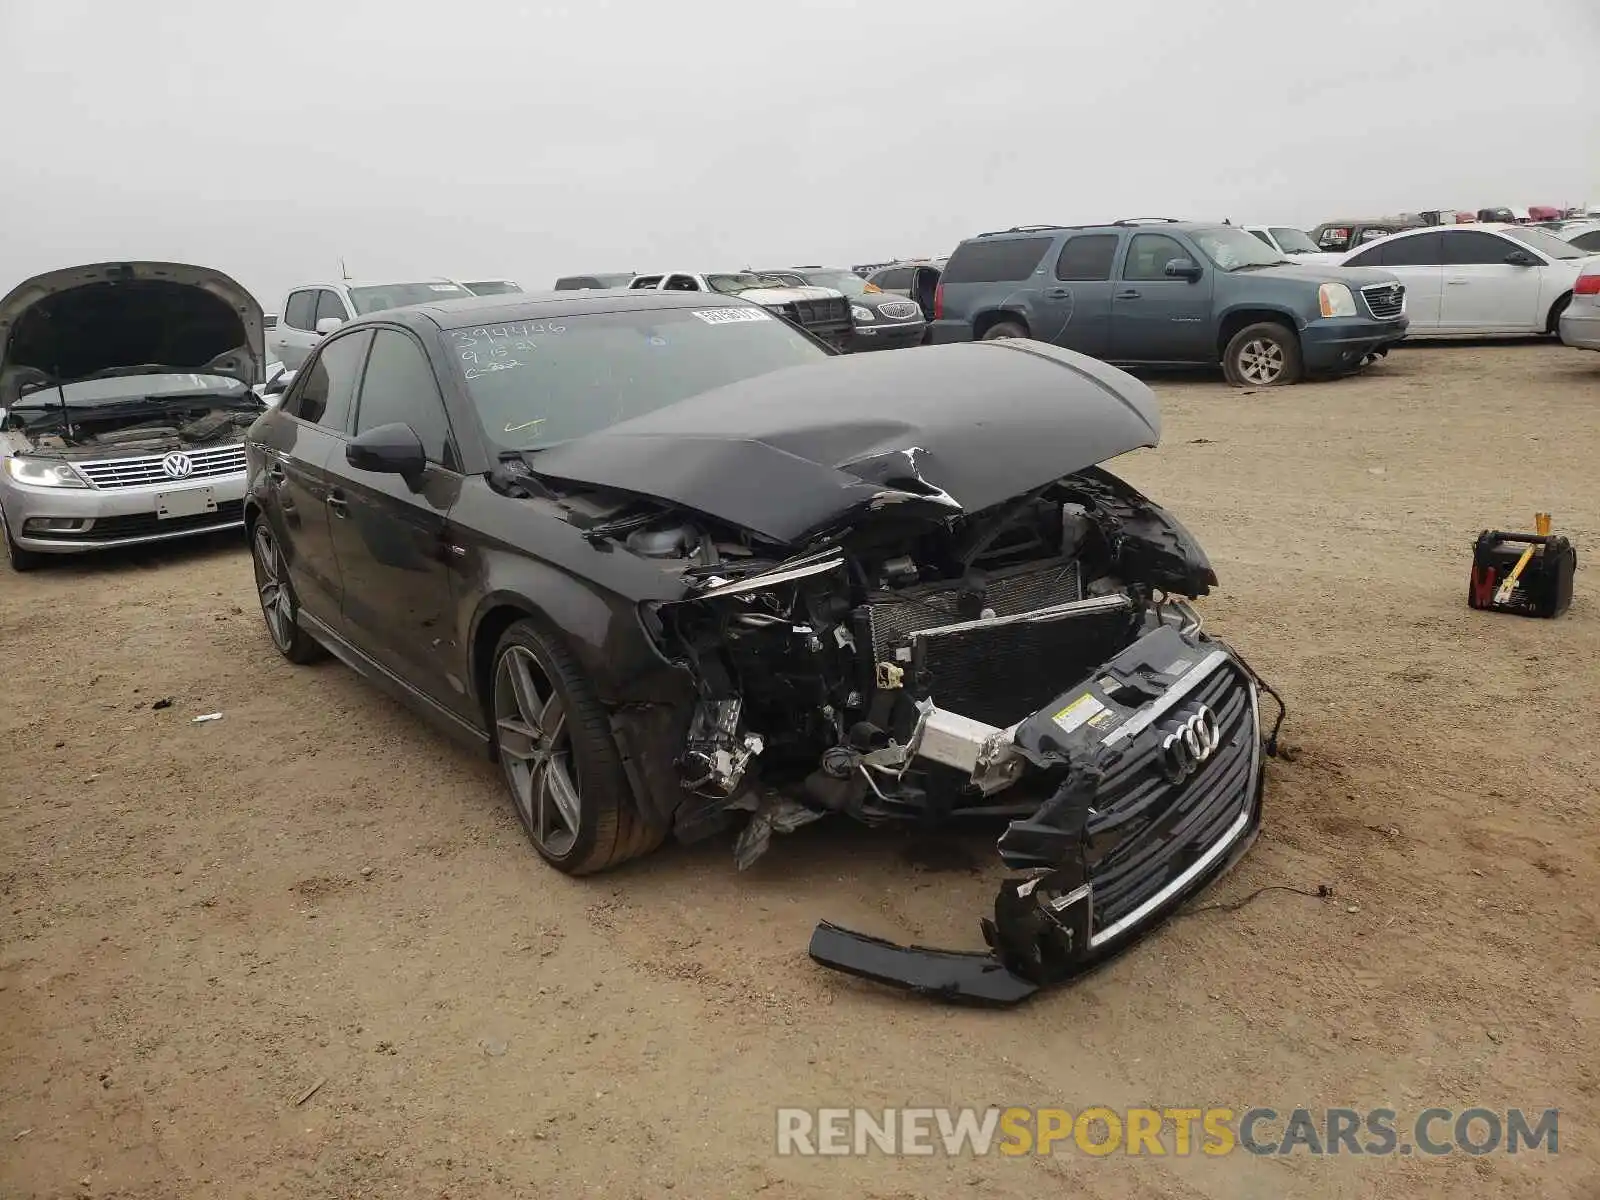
1151	801
1581	330
1342	343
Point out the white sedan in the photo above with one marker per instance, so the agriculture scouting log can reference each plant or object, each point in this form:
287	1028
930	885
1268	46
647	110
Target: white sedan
1478	279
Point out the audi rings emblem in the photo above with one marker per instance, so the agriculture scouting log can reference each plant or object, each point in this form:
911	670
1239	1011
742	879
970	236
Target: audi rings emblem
177	465
1188	742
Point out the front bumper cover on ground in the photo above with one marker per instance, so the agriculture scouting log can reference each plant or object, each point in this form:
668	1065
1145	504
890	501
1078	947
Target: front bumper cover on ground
1134	828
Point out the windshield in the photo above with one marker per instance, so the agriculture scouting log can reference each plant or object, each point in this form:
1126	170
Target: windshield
536	383
732	285
847	282
122	389
494	287
1547	244
399	295
1293	241
1233	248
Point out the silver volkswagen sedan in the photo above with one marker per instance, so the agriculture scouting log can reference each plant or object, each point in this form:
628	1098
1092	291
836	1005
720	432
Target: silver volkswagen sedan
125	393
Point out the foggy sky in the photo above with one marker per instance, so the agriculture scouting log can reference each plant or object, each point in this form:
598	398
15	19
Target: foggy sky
533	139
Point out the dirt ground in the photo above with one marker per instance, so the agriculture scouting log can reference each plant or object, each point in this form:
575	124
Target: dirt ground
200	922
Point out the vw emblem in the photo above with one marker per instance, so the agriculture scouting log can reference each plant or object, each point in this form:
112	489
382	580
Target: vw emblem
177	465
1188	742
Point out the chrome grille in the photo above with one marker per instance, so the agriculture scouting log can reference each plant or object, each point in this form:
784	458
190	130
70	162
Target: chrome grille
1385	300
899	310
147	469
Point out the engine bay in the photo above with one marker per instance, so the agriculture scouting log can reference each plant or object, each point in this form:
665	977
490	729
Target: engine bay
131	428
812	669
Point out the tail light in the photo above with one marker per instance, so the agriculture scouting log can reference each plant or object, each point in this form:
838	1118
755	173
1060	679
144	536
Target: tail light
938	302
1587	285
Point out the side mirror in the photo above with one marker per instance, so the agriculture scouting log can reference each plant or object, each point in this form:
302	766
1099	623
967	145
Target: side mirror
1521	258
326	325
389	450
1182	268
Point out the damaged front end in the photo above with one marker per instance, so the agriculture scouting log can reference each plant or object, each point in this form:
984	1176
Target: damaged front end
1035	662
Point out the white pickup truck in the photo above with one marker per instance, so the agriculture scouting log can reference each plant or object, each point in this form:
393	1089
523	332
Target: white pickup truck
311	310
822	312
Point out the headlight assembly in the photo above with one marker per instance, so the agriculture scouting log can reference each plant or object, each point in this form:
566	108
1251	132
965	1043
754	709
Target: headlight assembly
862	314
1336	300
43	472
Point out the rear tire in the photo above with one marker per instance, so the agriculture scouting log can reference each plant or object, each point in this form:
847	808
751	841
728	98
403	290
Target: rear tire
20	559
1004	329
559	759
1265	354
279	605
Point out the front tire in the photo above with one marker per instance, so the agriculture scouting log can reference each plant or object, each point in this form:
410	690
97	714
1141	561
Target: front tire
560	762
1262	355
278	603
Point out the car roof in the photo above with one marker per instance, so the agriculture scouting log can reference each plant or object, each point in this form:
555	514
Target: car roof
1487	226
1021	231
371	283
541	306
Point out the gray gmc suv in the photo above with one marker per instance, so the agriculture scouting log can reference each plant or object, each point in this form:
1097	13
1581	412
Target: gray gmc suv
1156	292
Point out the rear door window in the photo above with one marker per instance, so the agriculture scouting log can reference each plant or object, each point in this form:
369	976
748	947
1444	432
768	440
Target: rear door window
895	279
995	260
1087	257
300	311
1422	250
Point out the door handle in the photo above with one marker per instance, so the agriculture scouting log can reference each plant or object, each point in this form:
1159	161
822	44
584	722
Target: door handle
1457	282
336	501
275	473
1059	294
1129	294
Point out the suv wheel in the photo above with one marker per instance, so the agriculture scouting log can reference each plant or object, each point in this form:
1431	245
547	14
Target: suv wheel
278	603
20	559
1262	355
1004	329
560	762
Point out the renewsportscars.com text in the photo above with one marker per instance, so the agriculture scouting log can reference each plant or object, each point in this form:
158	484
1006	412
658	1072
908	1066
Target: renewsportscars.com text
1156	1132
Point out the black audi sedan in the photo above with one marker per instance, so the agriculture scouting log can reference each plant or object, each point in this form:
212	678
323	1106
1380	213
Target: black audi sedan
680	568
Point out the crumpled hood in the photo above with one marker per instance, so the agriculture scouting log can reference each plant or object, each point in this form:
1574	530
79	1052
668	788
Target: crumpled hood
76	322
947	429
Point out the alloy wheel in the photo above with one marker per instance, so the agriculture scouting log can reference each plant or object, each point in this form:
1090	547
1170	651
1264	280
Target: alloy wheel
1261	361
276	606
536	751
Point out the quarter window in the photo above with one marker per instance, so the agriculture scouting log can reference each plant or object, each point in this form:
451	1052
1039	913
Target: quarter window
399	388
1087	257
1588	241
1149	254
330	381
300	311
995	260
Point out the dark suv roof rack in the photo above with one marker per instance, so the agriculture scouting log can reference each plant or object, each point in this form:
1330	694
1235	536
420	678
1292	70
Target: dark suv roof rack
1024	229
1147	221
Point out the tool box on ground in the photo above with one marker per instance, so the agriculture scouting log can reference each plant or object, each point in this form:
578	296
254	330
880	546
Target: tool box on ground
1529	574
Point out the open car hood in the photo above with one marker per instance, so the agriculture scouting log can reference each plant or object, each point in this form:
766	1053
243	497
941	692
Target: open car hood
168	317
944	429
